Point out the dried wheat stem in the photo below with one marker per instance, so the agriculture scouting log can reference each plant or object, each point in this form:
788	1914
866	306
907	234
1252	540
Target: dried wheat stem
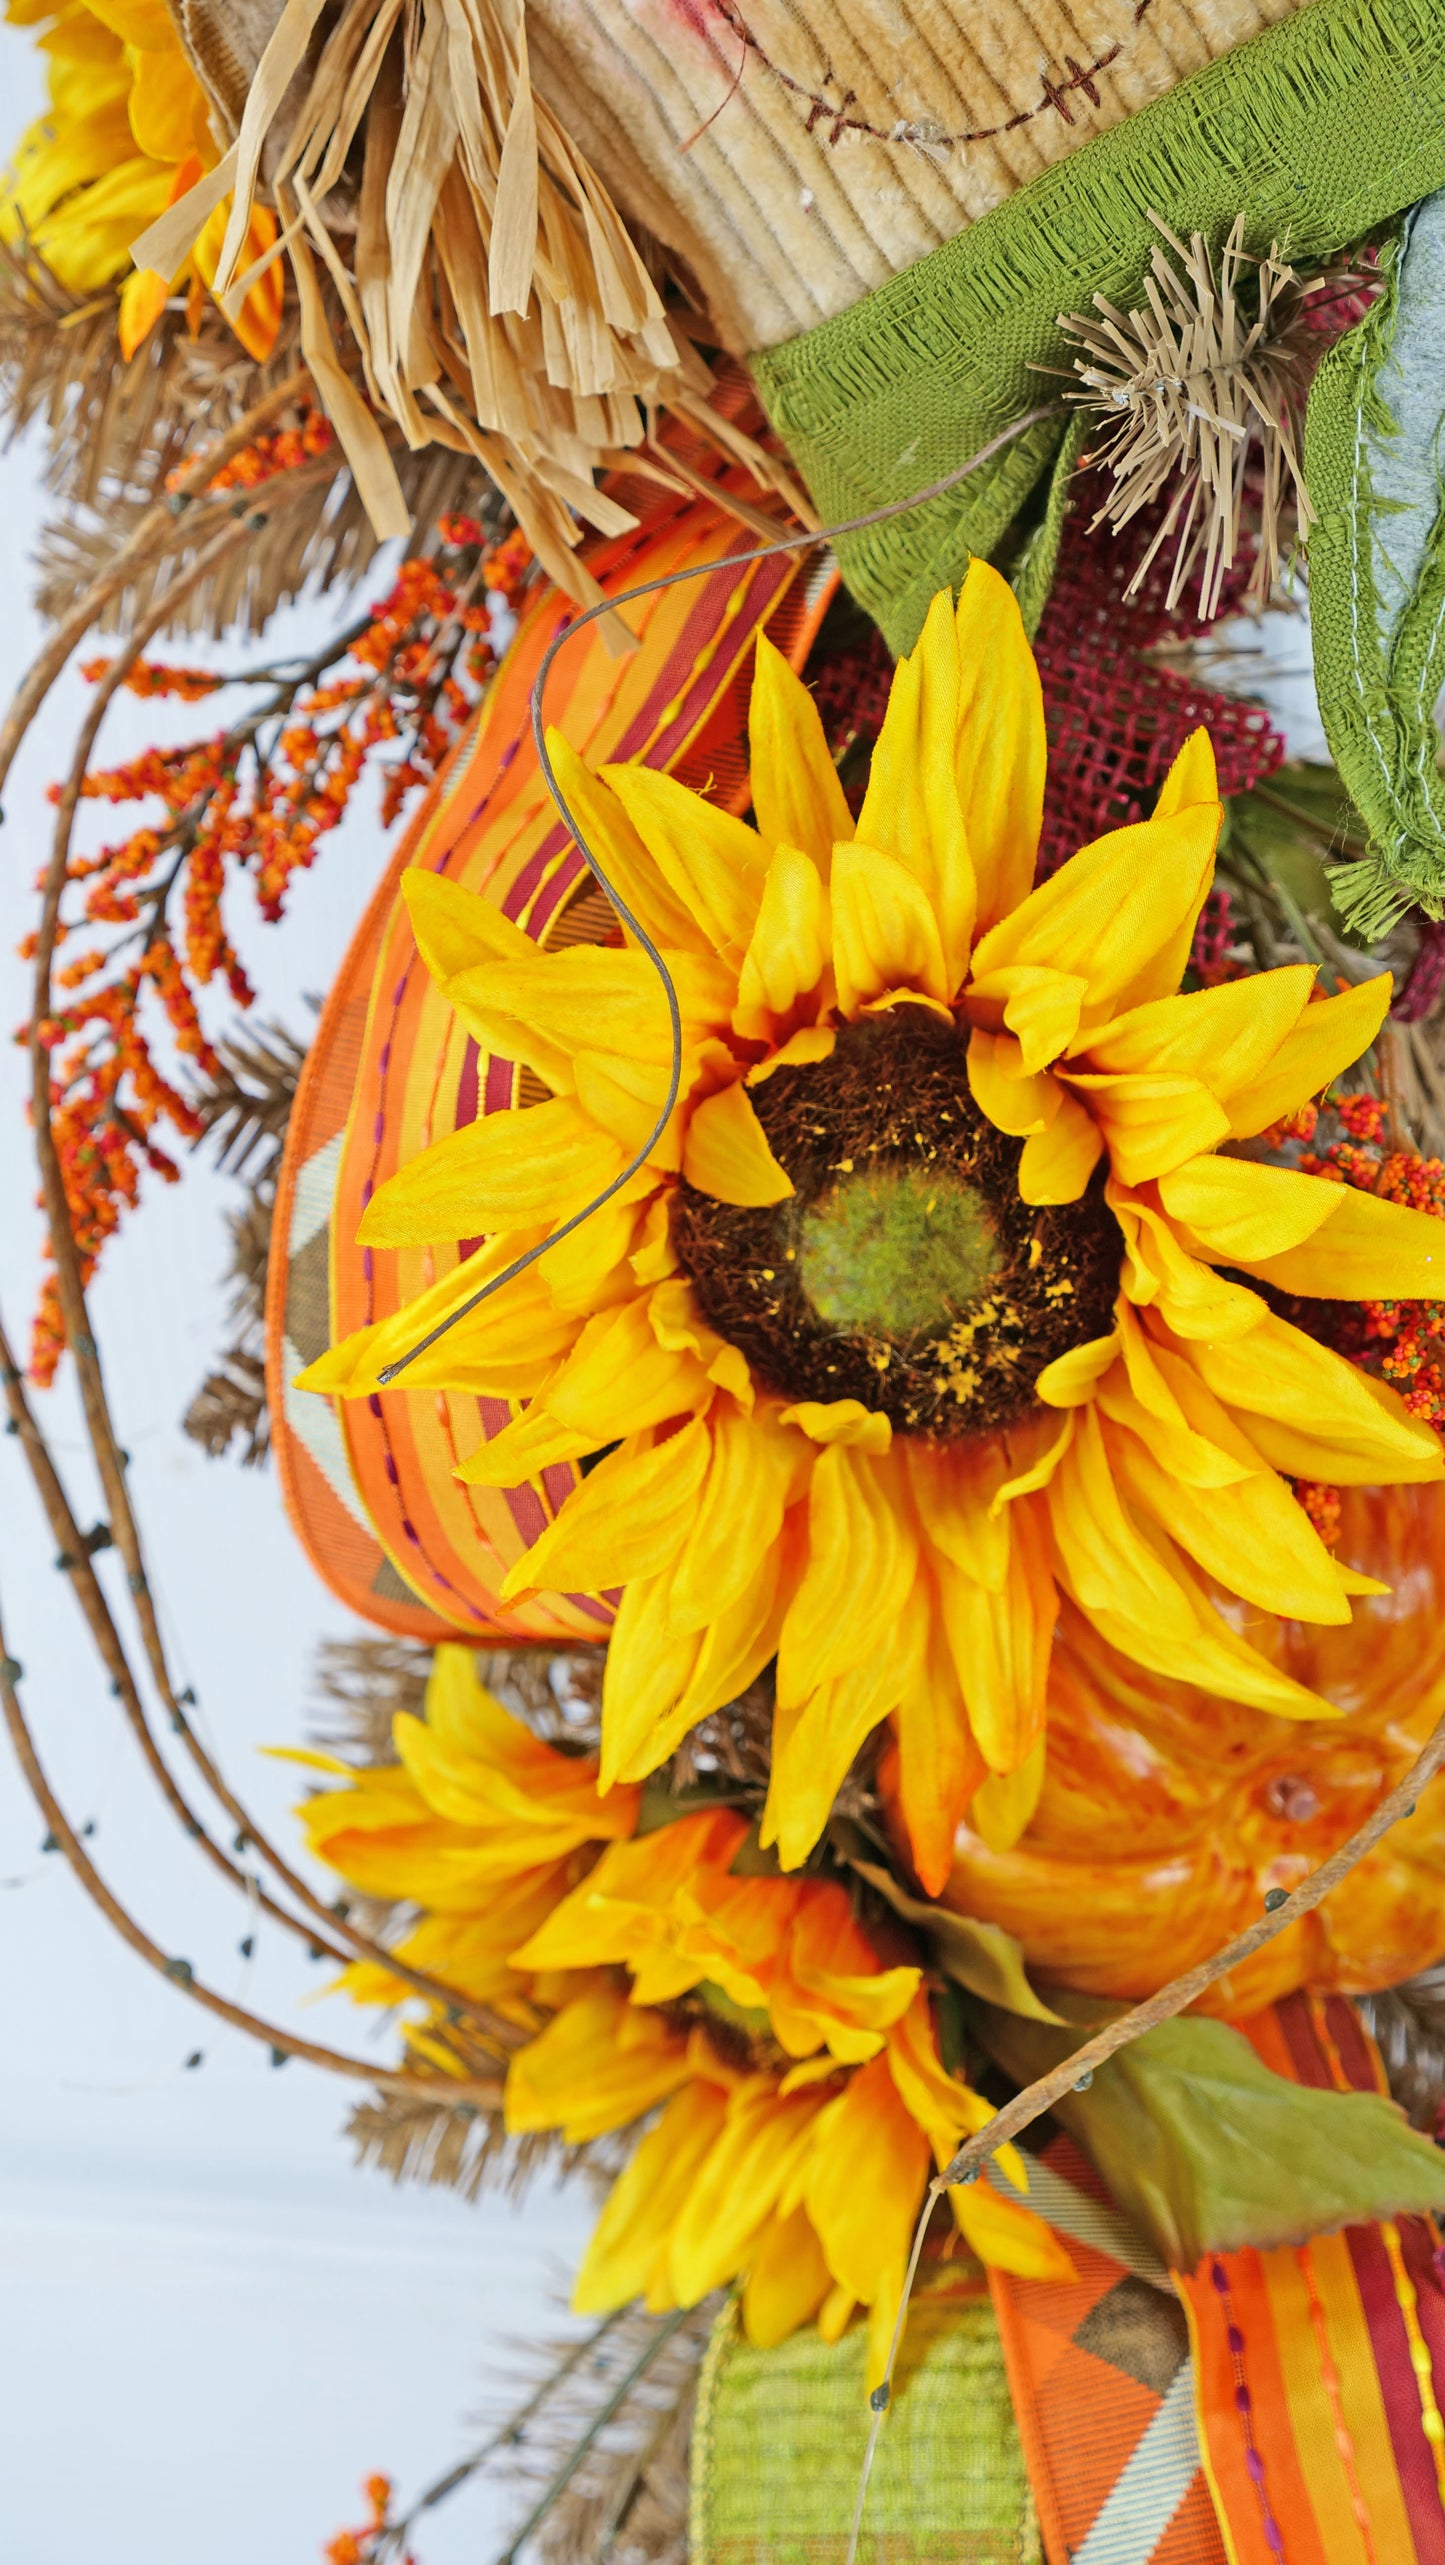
557	2485
159	519
394	2539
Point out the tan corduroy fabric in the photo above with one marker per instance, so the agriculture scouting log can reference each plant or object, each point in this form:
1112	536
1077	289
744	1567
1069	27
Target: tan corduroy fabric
753	136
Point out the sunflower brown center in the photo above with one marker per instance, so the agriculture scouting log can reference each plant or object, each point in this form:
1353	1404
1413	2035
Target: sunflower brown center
904	1271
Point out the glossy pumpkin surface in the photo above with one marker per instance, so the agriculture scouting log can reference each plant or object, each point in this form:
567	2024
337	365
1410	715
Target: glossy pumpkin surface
1166	1814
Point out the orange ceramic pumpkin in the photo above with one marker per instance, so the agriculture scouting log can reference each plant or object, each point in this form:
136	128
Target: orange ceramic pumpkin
1167	1814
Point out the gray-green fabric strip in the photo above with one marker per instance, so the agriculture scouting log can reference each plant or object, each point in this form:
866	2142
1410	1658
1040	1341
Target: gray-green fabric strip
1374	451
1317	131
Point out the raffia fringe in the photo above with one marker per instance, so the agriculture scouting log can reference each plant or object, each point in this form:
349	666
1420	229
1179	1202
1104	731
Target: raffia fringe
497	303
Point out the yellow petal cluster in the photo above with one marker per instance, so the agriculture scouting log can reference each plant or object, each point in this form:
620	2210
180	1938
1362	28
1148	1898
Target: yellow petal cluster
805	2186
802	2176
890	1577
479	1823
126	134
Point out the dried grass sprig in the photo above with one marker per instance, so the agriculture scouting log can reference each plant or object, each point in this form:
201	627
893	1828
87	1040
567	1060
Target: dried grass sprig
1199	388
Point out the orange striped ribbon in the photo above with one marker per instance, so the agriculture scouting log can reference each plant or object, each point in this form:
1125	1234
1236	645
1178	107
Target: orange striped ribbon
369	1484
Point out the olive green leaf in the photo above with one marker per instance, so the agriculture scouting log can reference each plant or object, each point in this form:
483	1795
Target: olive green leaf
1206	2150
982	1957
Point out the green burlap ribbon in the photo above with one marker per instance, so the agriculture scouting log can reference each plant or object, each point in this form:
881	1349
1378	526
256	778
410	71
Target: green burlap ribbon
779	2436
1317	131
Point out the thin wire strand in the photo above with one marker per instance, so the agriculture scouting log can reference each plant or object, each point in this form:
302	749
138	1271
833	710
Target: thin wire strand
801	542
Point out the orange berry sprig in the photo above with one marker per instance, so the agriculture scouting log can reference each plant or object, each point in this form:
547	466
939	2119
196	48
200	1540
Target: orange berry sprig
1401	1341
145	914
358	2546
278	450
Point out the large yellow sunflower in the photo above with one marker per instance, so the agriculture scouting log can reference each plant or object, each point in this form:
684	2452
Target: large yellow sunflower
938	1295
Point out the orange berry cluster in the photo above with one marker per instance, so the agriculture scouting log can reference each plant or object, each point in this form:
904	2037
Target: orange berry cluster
280	450
355	2546
256	800
1404	1340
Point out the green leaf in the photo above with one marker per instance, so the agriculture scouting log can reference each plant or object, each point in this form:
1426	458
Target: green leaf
982	1957
1207	2150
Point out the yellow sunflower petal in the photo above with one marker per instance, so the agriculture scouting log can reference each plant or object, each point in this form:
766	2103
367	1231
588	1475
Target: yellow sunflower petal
939	1764
786	963
1239	1211
861	1561
550	1008
1119	915
507	1171
143	298
1037	1004
456	929
1141	1599
1008	2236
1226	1036
734	1645
1312	1414
954	1486
1071	1379
505	1349
1150	1124
1002	1088
628	1518
628	2252
524	1448
797	798
1159	1271
646	1673
1251	1537
1327	1038
668	918
865	2178
756	1470
714	864
625	1367
787	2282
813	1745
1001	1642
726	1153
1058	1161
1004	1804
943	2108
911	811
811	1043
165	100
598	2064
840	1420
1001	752
885	934
1192	779
733	2195
1366	1250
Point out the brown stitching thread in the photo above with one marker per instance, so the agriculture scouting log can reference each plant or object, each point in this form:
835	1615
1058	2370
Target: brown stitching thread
823	110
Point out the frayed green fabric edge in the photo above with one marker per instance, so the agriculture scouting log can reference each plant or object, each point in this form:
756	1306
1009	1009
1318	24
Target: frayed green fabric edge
1032	576
1379	672
1318	131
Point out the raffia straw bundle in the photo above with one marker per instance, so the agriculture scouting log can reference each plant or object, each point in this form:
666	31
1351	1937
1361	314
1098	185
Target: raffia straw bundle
498	305
1192	387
